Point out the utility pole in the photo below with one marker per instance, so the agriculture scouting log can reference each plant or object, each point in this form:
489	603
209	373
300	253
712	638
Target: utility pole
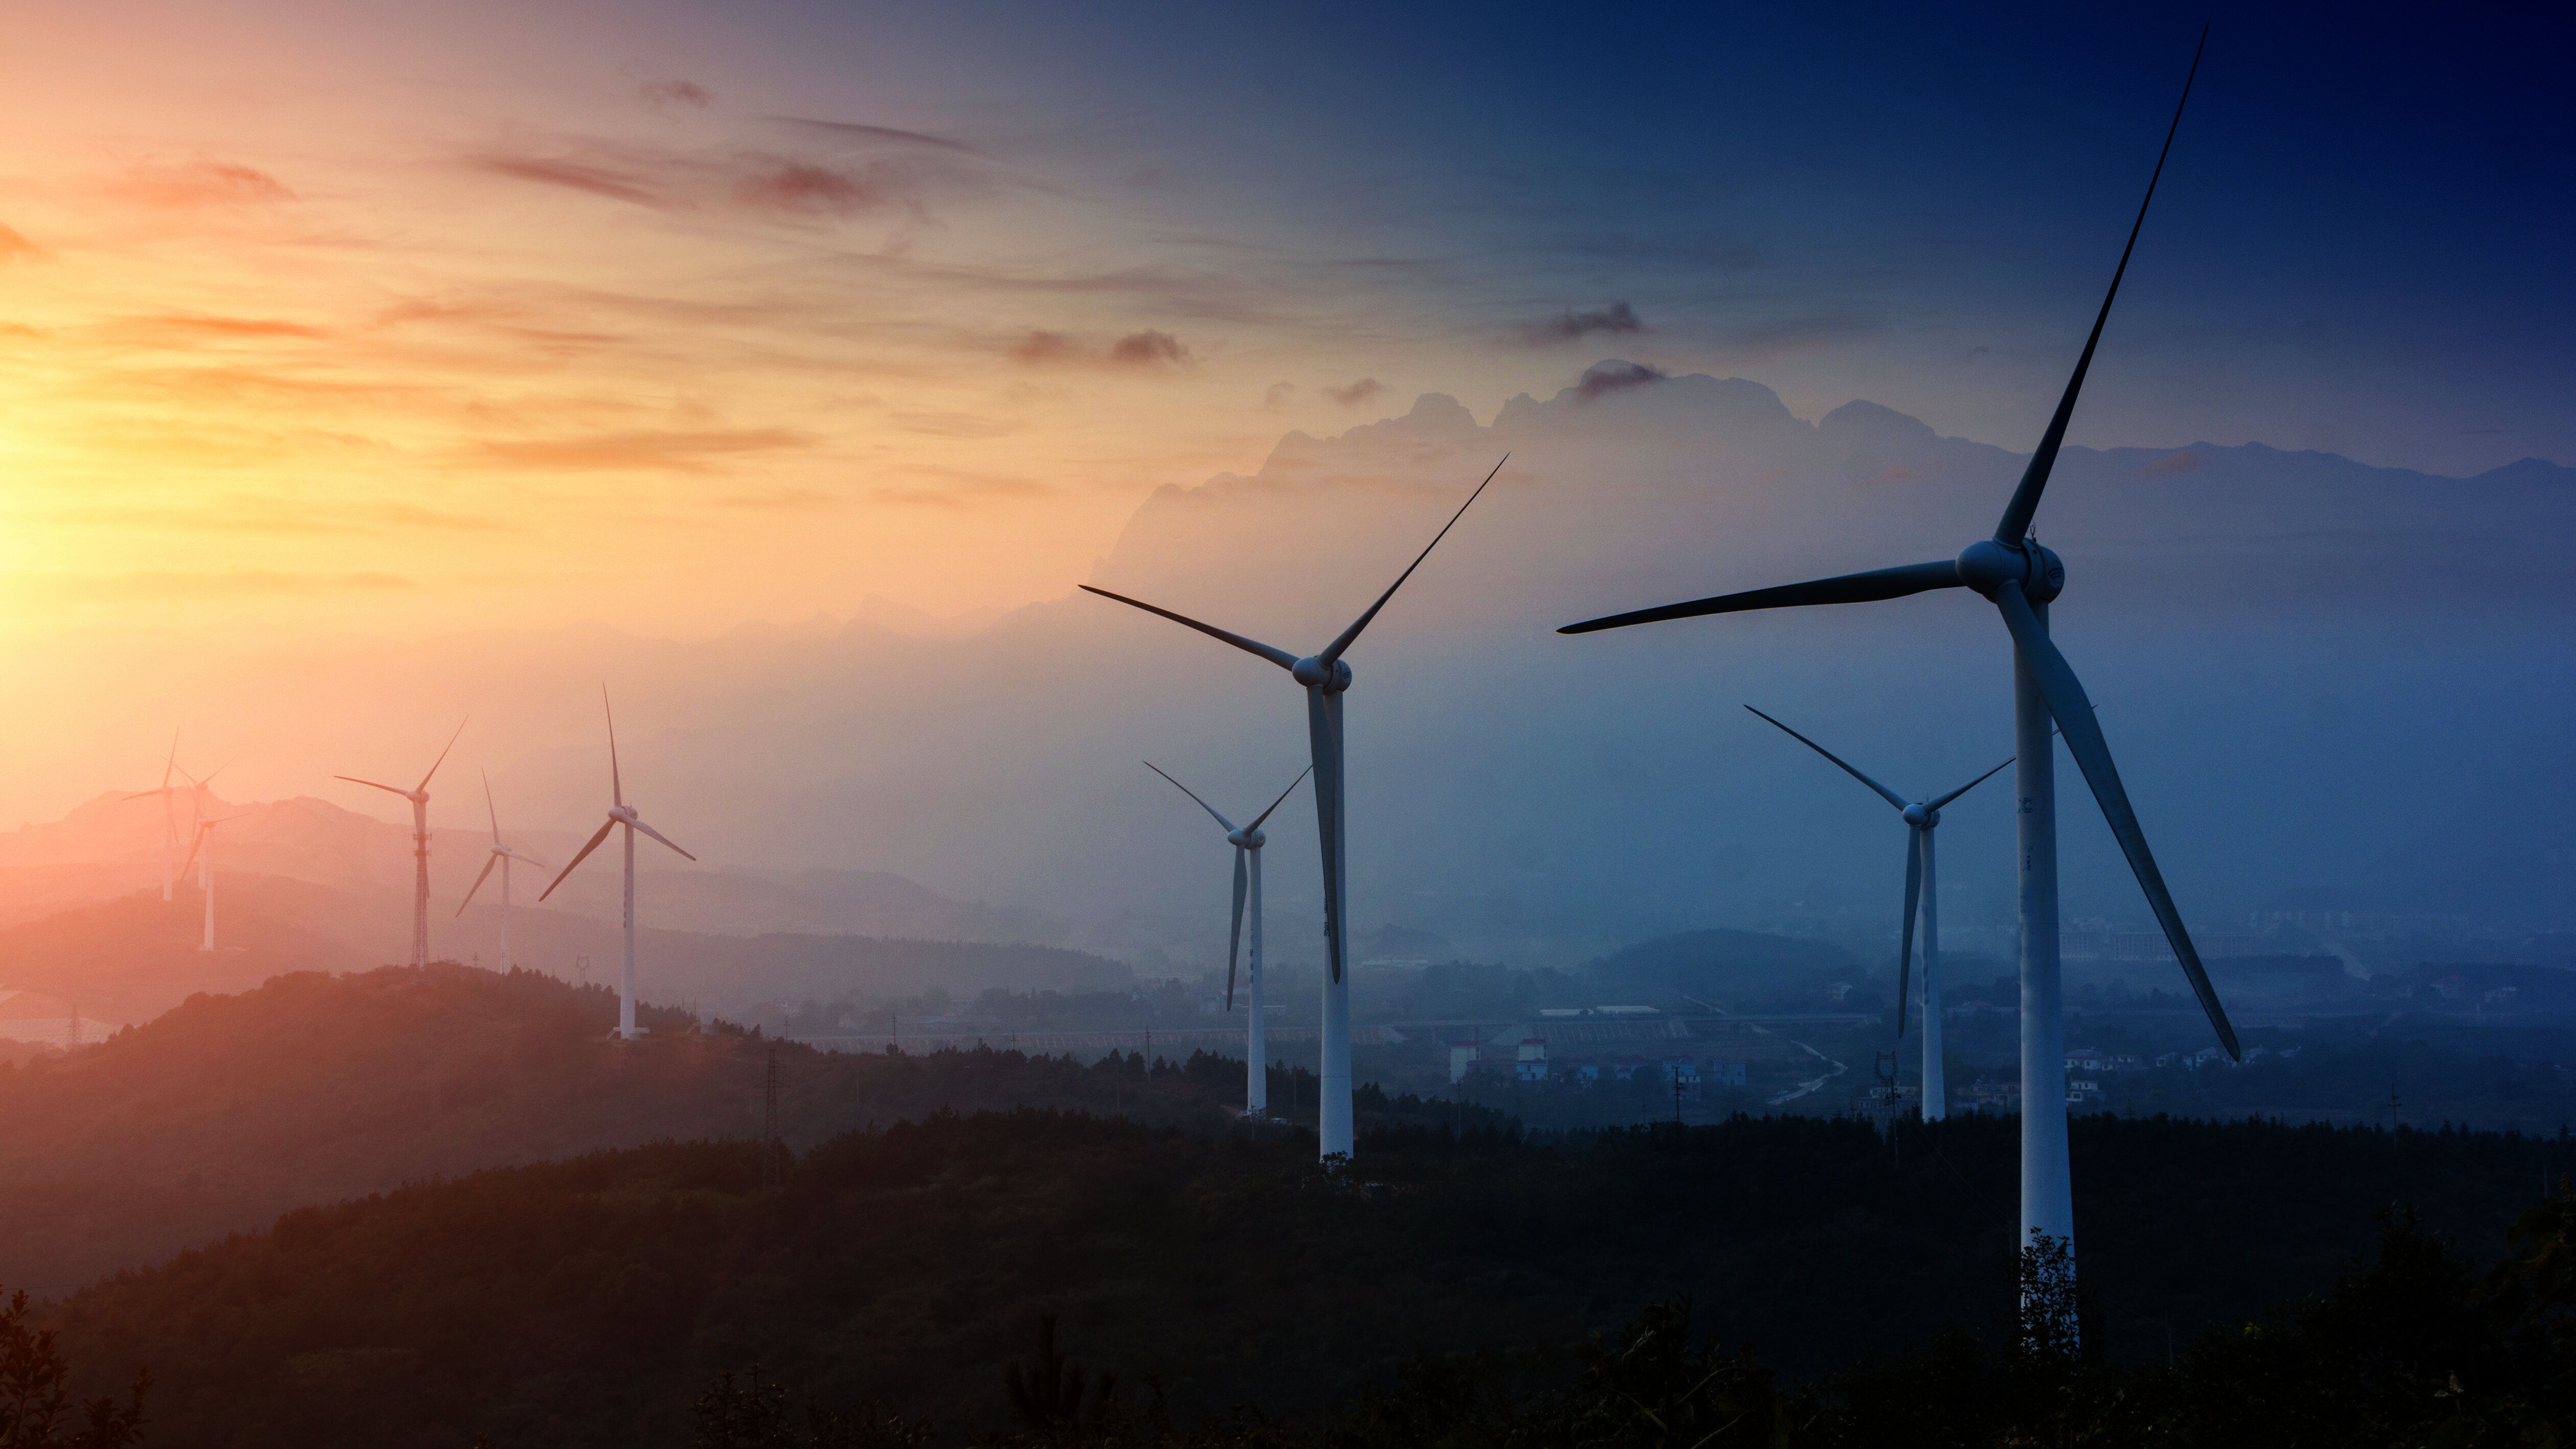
1677	1101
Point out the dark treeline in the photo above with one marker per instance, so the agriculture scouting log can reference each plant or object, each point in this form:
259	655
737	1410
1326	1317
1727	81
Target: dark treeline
588	1302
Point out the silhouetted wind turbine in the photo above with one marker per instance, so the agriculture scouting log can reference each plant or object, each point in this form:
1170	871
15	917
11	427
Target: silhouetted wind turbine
418	795
1247	843
169	814
1326	677
501	856
619	813
2020	578
205	844
1922	883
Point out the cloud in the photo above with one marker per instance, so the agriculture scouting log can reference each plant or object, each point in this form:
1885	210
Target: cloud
1148	348
268	515
807	190
669	452
201	182
181	330
2182	462
954	425
1357	393
1617	317
662	95
237	583
14	247
1603	378
957	489
597	181
1277	393
889	135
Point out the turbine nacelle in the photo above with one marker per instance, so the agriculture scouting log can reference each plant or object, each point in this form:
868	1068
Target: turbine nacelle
1922	816
1989	564
1247	839
625	814
1332	676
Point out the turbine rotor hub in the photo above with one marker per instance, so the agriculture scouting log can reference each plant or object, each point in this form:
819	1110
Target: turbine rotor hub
1314	673
1989	564
1920	818
1249	839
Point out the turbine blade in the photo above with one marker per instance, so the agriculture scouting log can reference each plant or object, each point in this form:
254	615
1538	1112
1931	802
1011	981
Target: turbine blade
197	839
1283	796
616	785
1862	588
1324	735
1280	657
1351	635
578	859
1193	794
2083	735
1891	796
1972	784
170	761
1234	940
489	806
489	861
1905	938
391	789
442	754
2034	479
658	835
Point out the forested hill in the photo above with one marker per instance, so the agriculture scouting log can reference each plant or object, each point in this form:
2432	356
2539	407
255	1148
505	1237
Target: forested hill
587	1302
231	1109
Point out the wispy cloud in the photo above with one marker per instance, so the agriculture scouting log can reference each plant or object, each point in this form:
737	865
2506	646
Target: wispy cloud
574	176
16	248
956	488
669	452
802	189
236	583
887	135
1148	350
181	330
664	94
203	181
1356	393
1572	326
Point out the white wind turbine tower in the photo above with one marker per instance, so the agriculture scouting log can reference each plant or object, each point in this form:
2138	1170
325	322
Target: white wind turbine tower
619	813
169	815
1247	843
2010	570
1326	678
204	846
501	856
1922	883
418	795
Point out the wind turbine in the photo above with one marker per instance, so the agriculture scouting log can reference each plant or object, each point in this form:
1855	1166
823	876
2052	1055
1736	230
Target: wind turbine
205	844
2020	578
619	813
1923	884
169	814
418	795
1247	843
501	856
1326	678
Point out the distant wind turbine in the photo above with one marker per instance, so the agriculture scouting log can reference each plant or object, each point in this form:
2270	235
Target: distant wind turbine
501	856
619	813
1247	843
205	846
2020	578
169	814
1326	677
1923	884
418	795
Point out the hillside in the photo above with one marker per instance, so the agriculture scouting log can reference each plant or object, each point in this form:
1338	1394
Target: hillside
132	958
312	1088
586	1302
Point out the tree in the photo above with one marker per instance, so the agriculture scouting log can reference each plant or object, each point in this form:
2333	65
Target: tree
35	1388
